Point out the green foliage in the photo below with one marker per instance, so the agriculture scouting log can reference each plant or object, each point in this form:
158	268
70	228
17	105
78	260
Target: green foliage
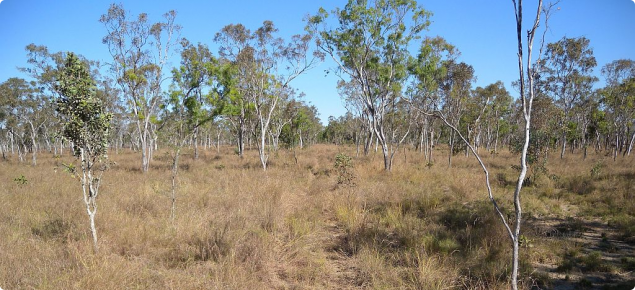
20	180
340	130
70	168
85	123
344	168
188	105
625	223
539	144
597	169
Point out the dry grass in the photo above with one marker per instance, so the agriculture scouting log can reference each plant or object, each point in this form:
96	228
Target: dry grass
293	227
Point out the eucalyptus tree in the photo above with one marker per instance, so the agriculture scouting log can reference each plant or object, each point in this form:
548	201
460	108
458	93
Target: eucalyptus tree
265	66
26	110
43	67
140	51
527	90
191	103
305	125
583	117
110	95
86	125
566	75
194	79
495	113
527	96
234	52
619	99
427	71
456	89
352	98
370	47
12	93
284	114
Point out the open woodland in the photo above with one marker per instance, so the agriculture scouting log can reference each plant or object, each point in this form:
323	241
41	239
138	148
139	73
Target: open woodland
295	227
215	173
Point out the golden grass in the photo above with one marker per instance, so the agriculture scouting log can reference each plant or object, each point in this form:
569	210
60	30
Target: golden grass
291	227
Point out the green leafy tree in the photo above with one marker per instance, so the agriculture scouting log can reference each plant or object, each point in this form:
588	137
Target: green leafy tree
140	51
566	77
18	112
456	92
619	98
265	66
86	125
496	112
190	105
370	47
427	71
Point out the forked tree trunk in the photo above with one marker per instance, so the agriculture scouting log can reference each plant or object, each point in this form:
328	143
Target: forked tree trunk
90	191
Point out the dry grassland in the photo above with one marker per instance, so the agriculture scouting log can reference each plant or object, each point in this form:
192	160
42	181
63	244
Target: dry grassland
294	227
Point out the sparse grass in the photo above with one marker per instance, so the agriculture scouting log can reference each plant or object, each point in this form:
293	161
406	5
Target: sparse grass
237	227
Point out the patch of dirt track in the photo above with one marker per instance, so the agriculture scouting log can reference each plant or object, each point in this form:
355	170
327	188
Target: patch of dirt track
592	236
344	274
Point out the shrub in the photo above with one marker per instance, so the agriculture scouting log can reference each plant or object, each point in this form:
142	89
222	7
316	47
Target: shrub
344	168
20	180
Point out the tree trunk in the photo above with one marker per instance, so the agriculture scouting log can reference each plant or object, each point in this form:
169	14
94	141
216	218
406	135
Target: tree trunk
241	138
369	142
261	149
431	147
630	144
33	147
451	145
195	136
564	145
143	140
301	141
218	142
175	172
617	142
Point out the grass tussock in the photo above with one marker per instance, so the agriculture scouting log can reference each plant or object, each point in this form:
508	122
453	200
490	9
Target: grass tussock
305	223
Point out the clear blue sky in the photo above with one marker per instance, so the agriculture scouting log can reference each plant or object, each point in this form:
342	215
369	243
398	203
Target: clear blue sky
483	31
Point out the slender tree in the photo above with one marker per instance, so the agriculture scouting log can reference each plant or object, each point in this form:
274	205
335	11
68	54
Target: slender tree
140	51
569	63
527	96
619	99
370	48
190	105
86	125
265	66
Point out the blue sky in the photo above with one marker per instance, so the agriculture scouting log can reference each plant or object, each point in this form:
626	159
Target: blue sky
483	30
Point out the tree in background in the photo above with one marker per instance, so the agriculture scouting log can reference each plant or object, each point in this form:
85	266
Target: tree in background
190	105
21	116
43	68
456	89
370	47
496	113
566	77
619	99
140	51
265	65
86	125
193	81
427	71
